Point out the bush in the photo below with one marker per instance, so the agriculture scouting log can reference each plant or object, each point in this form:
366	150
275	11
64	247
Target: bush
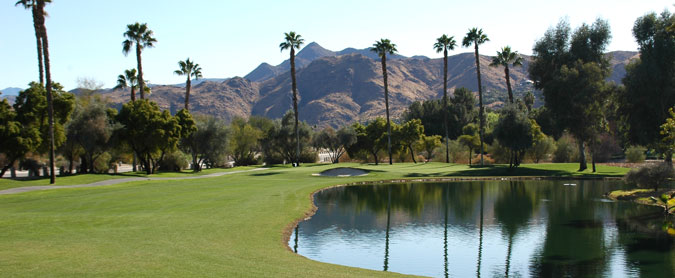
499	153
175	162
102	163
566	150
650	176
308	156
606	148
541	149
636	154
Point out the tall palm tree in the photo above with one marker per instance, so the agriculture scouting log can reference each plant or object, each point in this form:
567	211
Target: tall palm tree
141	36
32	5
189	69
293	41
505	58
445	43
476	37
128	80
40	16
382	47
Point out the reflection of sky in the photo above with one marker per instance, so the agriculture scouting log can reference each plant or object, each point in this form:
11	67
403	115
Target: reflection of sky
341	234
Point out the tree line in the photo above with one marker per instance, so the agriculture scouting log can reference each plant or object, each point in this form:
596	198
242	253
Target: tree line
568	66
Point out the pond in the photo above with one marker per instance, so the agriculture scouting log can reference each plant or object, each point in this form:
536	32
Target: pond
488	229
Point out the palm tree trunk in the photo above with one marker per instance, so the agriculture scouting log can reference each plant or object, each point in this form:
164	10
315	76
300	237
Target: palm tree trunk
445	104
38	39
508	83
386	104
187	92
480	103
50	100
133	93
141	82
295	106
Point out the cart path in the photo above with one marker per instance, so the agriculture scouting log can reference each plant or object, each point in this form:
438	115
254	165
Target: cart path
117	181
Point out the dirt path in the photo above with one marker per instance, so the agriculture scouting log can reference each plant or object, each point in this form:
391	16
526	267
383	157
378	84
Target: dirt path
116	181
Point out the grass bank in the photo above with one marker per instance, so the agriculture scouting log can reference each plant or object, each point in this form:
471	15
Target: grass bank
228	226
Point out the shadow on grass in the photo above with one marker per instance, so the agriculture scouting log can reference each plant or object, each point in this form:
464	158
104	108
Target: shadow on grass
505	171
265	174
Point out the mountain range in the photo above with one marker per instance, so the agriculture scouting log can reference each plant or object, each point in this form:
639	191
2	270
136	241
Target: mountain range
337	88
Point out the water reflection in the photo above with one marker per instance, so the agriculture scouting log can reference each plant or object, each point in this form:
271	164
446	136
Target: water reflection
518	229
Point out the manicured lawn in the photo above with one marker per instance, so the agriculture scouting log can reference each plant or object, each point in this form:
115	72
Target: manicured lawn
91	178
228	226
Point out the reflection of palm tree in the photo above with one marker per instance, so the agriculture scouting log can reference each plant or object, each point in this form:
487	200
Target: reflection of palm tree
386	241
445	228
480	231
295	247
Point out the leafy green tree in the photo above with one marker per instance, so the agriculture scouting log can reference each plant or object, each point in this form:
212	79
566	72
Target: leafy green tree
335	142
542	145
91	128
476	37
187	128
142	37
470	138
281	138
649	83
189	69
243	142
370	139
150	133
17	137
514	131
293	41
38	22
505	58
443	44
31	106
429	144
571	70
128	80
207	143
462	112
408	134
382	48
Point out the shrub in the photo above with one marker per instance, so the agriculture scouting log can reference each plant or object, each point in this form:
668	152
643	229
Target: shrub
636	154
605	148
499	153
308	156
174	161
102	163
541	149
650	176
566	150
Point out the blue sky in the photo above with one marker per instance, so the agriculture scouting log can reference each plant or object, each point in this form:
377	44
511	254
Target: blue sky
231	38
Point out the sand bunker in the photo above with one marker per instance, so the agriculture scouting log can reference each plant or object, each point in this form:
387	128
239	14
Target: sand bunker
343	172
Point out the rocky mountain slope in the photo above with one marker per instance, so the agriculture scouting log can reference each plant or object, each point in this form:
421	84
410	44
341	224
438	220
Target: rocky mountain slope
337	88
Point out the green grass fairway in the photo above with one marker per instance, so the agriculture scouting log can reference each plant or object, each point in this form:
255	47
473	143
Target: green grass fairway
228	226
91	178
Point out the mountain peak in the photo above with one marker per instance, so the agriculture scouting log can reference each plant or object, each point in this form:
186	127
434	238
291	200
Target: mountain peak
314	51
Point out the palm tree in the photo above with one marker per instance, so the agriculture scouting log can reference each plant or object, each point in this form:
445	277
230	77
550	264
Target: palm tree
40	16
293	41
476	37
504	58
382	47
189	69
32	5
445	43
141	36
128	80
